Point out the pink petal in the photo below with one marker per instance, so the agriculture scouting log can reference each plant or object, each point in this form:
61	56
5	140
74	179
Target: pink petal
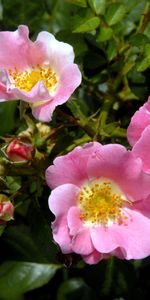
58	54
61	234
62	198
72	167
64	90
141	148
139	121
44	112
17	50
103	239
93	258
38	93
133	237
82	243
143	207
74	222
4	95
114	162
67	86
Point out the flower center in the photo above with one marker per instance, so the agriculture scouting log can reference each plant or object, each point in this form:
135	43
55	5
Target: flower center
26	80
102	202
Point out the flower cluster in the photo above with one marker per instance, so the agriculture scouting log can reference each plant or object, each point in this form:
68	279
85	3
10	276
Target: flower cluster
100	193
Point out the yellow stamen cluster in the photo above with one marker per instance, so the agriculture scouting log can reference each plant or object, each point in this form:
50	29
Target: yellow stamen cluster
100	204
26	80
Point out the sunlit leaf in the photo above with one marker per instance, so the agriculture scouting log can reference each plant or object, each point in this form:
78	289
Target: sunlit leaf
89	25
98	6
115	13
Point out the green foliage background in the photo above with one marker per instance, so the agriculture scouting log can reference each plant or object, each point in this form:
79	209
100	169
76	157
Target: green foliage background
111	40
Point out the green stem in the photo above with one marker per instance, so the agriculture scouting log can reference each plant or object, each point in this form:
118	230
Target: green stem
144	19
108	277
103	117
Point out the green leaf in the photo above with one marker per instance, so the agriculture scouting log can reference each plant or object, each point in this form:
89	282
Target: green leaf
147	30
21	245
98	6
127	94
16	278
144	64
138	40
7	112
111	50
115	13
81	3
88	25
13	183
105	34
127	67
75	288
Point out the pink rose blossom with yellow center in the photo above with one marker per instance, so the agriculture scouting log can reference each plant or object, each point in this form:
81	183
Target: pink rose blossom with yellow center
41	73
101	203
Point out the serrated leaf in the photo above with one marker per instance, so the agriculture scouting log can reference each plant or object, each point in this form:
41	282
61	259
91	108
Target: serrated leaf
81	3
105	34
88	25
115	13
98	6
16	278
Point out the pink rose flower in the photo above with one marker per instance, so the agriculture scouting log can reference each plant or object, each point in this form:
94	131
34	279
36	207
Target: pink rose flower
41	73
101	203
6	209
18	151
138	134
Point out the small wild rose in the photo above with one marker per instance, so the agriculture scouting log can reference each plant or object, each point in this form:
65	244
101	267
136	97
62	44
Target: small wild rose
101	203
41	73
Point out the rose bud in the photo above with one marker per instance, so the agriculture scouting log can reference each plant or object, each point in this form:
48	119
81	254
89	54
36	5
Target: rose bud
6	209
17	151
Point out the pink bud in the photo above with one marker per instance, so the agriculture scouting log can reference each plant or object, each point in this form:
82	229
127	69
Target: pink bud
6	209
18	151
